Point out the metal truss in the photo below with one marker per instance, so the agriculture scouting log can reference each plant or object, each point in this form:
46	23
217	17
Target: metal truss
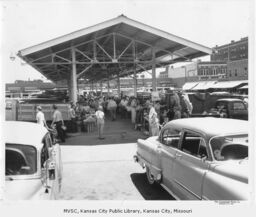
104	50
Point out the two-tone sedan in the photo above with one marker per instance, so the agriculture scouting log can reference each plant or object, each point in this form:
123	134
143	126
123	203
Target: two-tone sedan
198	158
33	167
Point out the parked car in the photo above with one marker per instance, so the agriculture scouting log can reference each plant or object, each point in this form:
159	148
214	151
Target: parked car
227	108
198	158
33	167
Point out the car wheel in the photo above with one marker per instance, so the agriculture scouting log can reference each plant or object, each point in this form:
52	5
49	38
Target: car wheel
150	177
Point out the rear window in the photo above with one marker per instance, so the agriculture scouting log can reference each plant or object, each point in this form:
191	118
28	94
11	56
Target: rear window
230	147
239	106
20	159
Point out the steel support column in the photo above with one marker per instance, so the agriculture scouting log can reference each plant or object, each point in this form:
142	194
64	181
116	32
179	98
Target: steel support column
108	87
153	69
96	86
73	83
134	68
118	86
69	87
101	88
114	46
135	82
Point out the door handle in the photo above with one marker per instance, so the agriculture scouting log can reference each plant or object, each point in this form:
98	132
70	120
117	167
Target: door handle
158	149
178	155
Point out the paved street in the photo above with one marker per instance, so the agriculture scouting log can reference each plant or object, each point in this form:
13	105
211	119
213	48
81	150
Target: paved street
96	170
105	173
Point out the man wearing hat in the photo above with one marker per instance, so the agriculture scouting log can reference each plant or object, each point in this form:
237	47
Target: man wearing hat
174	106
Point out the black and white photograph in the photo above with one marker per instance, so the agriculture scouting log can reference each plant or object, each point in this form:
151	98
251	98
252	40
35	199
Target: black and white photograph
118	107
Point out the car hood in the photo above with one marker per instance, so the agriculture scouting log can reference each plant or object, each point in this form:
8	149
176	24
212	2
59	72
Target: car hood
238	170
22	189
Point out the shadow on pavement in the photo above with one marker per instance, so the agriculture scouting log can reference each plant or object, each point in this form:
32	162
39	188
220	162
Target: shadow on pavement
149	192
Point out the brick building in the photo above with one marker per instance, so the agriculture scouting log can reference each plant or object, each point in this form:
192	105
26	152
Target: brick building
164	74
228	63
212	70
237	70
236	56
236	50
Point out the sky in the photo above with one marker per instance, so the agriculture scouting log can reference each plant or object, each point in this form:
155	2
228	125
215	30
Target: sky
26	23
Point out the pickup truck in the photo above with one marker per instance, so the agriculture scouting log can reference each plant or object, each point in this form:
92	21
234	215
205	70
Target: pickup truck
233	108
227	108
198	158
19	110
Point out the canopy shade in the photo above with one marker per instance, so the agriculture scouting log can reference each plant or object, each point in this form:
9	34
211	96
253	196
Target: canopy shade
228	84
117	47
189	85
244	87
205	85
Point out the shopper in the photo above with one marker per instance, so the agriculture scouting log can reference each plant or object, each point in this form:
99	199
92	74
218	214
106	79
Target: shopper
133	110
122	107
174	107
72	118
157	107
188	104
59	123
153	121
40	119
139	115
100	116
112	108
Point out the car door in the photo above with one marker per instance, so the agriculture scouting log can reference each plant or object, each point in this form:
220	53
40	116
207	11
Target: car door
55	154
170	139
190	166
48	168
239	110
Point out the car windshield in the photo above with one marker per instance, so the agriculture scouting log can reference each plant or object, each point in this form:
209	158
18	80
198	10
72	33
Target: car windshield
20	159
230	147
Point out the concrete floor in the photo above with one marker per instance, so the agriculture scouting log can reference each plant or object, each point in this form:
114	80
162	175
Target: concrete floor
96	169
115	132
105	172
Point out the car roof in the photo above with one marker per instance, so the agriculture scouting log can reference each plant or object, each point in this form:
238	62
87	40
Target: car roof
229	99
211	126
26	133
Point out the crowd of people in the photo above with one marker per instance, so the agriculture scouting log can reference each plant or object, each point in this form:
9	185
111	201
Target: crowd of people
91	111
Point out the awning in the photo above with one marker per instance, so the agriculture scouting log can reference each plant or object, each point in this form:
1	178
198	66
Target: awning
189	85
111	49
228	84
244	87
204	85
